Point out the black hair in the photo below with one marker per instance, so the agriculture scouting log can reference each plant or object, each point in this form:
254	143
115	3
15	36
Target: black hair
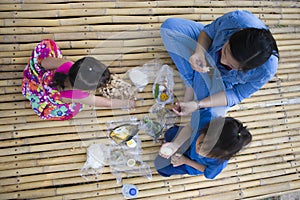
233	137
252	47
86	74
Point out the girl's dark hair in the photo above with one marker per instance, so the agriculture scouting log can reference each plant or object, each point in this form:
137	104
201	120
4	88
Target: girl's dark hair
86	74
233	137
252	47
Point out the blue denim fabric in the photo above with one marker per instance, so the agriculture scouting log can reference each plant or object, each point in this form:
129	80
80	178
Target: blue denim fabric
213	166
180	38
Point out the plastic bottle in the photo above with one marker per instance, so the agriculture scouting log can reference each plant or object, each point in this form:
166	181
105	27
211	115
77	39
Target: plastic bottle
129	191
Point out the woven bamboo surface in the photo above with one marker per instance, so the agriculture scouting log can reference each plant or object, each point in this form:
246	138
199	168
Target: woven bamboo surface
42	159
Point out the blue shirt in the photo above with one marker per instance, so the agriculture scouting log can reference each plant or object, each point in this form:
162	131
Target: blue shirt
213	166
238	84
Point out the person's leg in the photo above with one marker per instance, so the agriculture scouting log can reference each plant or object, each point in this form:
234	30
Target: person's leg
171	133
163	165
180	38
165	168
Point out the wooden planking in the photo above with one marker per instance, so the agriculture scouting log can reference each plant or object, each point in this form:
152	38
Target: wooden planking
47	160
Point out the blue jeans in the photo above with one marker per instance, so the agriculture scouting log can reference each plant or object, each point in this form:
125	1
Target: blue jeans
180	38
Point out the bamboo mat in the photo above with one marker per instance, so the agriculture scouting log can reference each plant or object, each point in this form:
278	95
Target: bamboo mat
42	159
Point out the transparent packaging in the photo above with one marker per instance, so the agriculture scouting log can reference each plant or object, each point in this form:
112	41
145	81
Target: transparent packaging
163	86
97	158
127	159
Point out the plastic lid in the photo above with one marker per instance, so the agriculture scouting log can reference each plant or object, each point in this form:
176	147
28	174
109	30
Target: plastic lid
131	143
131	162
132	191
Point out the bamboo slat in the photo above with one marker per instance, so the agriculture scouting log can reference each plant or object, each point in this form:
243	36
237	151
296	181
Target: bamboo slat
42	159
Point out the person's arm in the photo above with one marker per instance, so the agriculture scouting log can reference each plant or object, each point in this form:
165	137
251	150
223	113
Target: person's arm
217	99
195	165
178	160
186	108
169	148
198	60
189	94
99	101
52	63
204	42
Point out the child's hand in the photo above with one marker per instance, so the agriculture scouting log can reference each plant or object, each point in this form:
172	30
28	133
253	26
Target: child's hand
167	150
178	159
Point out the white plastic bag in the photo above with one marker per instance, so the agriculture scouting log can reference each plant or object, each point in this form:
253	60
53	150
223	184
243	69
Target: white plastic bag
97	158
141	76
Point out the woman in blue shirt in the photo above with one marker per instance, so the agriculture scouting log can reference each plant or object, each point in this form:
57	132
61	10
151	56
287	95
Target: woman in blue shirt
238	47
203	149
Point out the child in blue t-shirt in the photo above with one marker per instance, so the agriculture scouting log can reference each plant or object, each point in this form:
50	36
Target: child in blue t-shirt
202	150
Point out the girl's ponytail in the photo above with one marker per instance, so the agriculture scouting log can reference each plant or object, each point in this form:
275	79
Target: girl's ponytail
244	136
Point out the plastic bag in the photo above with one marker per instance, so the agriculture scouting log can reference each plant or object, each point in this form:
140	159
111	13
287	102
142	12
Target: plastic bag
163	86
152	127
126	158
97	158
164	115
141	76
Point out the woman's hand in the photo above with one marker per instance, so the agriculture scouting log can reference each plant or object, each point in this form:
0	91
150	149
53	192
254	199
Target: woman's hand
178	159
185	108
198	62
168	149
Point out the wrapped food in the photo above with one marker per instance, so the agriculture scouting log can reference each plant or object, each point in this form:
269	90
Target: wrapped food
152	127
123	133
163	86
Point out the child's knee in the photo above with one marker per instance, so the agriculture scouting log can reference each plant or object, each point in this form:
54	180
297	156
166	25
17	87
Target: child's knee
171	133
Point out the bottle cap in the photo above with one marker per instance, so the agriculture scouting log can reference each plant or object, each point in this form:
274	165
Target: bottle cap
132	191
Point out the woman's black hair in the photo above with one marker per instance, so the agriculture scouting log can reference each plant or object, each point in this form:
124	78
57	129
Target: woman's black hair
86	74
252	47
233	137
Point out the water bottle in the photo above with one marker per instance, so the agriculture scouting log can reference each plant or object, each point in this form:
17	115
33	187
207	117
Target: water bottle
129	191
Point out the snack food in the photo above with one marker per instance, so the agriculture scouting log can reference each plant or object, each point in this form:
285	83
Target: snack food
123	133
166	151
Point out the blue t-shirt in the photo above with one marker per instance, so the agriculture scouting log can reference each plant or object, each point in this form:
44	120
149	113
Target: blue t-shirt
213	166
238	84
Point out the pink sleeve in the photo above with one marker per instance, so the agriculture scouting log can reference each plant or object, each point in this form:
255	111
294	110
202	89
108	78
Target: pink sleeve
74	94
71	94
64	68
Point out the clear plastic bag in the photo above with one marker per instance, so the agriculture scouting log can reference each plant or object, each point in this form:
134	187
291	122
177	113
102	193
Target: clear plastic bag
127	159
141	76
163	86
97	158
164	115
152	127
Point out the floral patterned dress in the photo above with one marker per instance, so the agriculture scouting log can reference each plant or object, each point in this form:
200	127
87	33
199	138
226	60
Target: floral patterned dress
44	99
